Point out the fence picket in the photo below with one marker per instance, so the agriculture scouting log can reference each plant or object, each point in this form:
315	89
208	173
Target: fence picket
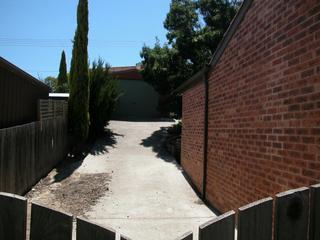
13	215
10	163
2	170
255	220
47	223
90	231
186	236
315	213
291	215
221	228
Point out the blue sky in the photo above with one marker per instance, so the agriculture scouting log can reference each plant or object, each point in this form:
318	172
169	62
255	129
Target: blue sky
34	32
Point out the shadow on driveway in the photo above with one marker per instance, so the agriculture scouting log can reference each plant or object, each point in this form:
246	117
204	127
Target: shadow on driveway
157	142
96	147
107	139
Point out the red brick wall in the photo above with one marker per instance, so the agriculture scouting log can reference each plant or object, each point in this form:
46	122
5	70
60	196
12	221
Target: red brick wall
264	106
192	139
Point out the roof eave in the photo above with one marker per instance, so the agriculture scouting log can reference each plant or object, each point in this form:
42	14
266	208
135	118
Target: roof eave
230	32
196	78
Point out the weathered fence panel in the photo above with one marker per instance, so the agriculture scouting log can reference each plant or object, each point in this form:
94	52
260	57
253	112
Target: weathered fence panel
13	216
315	213
90	231
255	220
221	228
186	236
47	223
291	215
294	219
28	152
49	109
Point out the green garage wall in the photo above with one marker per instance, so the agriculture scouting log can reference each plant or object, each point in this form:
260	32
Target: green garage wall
138	100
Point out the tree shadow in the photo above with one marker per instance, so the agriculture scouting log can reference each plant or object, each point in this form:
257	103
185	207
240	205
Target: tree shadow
96	146
106	140
67	167
157	142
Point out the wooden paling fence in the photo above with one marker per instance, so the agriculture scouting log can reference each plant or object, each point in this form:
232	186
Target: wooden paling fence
291	215
28	152
45	223
296	216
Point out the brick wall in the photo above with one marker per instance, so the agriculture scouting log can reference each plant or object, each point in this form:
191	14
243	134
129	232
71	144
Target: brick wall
264	106
192	140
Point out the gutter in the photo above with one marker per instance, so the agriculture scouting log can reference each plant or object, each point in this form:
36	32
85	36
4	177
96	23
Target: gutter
202	75
205	147
214	60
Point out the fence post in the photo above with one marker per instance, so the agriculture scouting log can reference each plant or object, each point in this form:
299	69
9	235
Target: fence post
221	228
47	223
90	231
186	236
123	237
13	216
291	215
255	220
315	213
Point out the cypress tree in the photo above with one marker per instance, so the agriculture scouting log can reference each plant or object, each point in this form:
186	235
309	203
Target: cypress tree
79	77
62	77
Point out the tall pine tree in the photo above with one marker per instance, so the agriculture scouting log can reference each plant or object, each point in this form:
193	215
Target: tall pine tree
79	77
62	77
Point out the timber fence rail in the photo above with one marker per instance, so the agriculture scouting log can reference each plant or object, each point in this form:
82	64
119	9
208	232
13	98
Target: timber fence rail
296	216
28	152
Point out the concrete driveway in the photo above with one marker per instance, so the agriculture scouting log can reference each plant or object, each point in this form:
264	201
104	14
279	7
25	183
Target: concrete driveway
148	197
129	183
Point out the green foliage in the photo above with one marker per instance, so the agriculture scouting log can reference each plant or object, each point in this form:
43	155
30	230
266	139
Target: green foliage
79	77
217	15
163	67
191	42
52	83
62	77
103	96
182	23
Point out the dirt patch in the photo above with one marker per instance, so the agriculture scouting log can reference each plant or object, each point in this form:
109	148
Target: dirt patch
74	194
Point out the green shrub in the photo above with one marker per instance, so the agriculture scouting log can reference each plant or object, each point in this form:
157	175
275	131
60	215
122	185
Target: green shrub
103	96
